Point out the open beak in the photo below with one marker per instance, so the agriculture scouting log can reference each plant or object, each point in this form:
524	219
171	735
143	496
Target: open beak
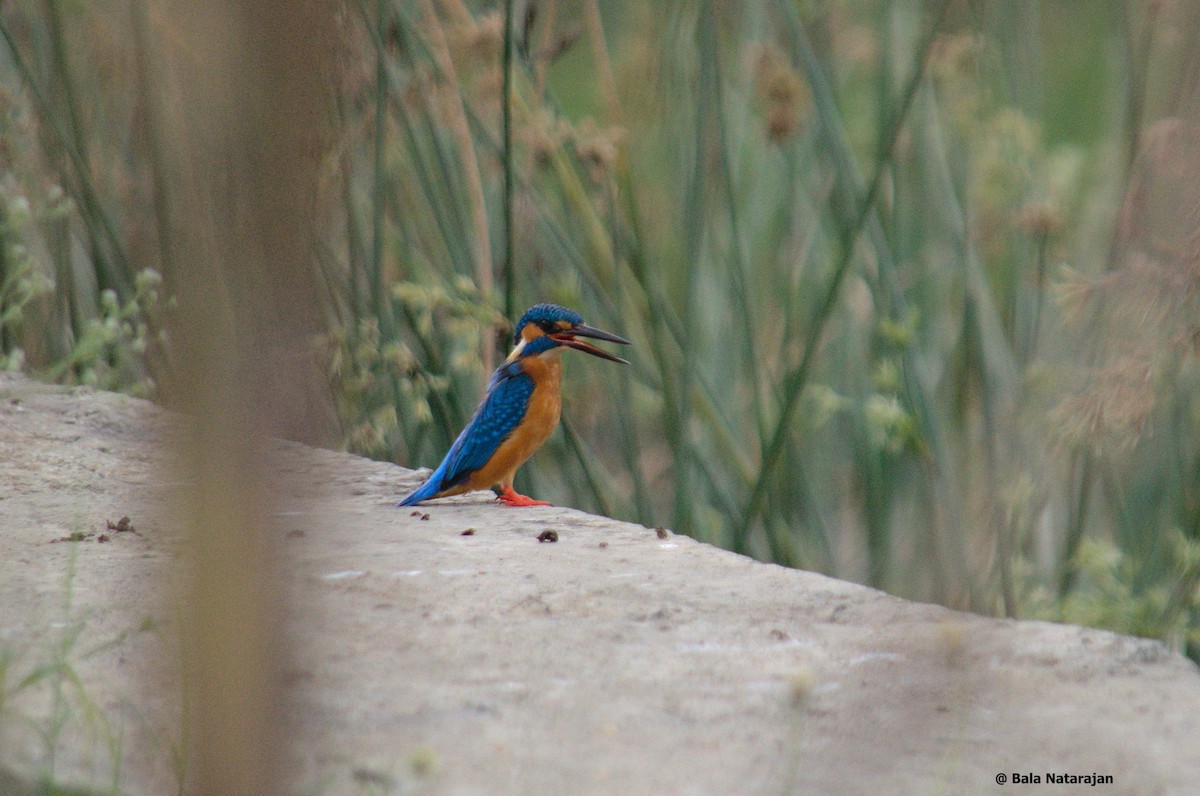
569	339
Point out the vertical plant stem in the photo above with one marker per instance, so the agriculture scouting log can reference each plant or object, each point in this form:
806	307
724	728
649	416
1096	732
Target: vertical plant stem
1005	544
379	297
549	15
510	276
608	86
1138	54
694	211
1040	285
741	285
1081	491
85	189
591	475
482	249
149	93
354	254
107	275
627	416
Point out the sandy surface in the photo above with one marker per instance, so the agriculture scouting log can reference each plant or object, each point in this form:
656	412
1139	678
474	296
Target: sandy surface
612	661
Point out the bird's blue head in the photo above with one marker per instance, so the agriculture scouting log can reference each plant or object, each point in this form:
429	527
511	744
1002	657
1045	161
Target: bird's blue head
547	327
547	317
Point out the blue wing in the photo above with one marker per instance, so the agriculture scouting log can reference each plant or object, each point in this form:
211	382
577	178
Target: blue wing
500	412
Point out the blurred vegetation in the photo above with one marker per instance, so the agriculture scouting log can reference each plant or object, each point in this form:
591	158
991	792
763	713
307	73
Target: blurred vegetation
914	286
47	671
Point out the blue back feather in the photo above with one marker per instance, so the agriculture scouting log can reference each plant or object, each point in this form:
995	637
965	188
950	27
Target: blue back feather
500	412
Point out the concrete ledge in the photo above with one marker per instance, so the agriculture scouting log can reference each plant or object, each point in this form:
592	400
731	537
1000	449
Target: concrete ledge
611	661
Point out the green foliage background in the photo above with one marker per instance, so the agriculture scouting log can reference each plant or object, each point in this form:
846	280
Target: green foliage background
913	286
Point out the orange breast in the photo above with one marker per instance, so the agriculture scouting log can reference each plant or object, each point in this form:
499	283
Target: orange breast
541	416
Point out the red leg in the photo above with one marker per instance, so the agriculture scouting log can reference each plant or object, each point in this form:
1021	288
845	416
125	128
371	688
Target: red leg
510	497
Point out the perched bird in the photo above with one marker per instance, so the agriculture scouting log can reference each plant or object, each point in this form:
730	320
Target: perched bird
519	409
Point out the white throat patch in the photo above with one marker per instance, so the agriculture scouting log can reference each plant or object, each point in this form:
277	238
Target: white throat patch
516	352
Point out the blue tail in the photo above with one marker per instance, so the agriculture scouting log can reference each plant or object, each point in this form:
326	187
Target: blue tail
425	491
432	485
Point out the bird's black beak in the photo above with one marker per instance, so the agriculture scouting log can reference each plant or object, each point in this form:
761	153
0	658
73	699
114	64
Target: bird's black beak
568	338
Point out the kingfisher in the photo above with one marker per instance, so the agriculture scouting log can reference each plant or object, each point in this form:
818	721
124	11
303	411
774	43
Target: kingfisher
520	408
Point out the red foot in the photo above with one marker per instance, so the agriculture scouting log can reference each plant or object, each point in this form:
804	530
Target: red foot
510	497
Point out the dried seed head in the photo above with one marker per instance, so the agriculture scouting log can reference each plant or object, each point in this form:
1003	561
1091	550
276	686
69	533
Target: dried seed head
1112	412
955	56
1040	219
598	147
781	123
487	37
1073	293
543	136
783	93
